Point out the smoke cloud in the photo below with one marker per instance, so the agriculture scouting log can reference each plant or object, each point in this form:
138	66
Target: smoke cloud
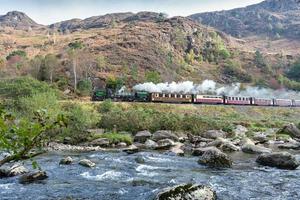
211	87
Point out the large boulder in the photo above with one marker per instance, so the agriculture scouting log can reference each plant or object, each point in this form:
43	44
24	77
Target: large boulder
200	151
165	144
150	144
33	177
260	138
187	192
15	170
161	135
291	130
281	160
224	145
87	163
214	134
177	150
255	149
215	158
142	136
290	145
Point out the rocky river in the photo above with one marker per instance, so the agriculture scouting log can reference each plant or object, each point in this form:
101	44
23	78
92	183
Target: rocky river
118	176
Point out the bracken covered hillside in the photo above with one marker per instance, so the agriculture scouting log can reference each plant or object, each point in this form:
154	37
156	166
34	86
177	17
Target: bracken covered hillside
133	47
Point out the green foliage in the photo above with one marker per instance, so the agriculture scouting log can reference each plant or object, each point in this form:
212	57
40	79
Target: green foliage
20	136
259	59
20	53
234	71
115	138
152	76
134	72
85	87
190	57
294	72
114	83
76	45
22	87
106	106
290	84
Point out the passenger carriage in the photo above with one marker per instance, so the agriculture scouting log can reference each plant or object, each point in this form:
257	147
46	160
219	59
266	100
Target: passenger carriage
171	98
208	99
237	100
262	102
283	102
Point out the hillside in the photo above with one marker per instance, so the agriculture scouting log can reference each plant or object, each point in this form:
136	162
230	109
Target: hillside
135	48
272	18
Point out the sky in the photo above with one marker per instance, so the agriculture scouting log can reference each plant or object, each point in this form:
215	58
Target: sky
50	11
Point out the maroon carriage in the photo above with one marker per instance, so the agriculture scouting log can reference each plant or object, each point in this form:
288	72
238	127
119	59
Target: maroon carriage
208	99
237	100
283	102
262	102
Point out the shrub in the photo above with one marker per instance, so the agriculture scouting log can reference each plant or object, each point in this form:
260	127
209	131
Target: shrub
85	87
152	76
115	138
234	71
16	53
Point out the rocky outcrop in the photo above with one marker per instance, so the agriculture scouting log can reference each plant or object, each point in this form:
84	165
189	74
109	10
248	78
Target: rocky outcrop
281	160
66	161
87	163
161	135
142	136
291	130
15	170
18	20
187	192
33	177
214	134
177	150
215	158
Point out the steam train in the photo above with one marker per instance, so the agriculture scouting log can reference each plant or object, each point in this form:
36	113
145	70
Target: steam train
156	97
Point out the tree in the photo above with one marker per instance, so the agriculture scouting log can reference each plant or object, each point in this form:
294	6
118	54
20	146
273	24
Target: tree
152	76
294	72
190	57
101	63
259	59
35	66
51	63
19	137
74	48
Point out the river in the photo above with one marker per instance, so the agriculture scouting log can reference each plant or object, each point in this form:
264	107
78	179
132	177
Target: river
119	177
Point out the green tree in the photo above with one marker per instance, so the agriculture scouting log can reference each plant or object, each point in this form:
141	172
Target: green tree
294	72
152	76
50	63
73	52
85	87
190	57
259	59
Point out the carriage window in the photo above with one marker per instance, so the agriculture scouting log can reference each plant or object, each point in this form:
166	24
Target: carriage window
173	95
188	96
161	95
157	95
181	96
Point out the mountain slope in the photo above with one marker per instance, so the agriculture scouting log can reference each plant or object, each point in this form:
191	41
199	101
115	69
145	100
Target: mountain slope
18	20
271	18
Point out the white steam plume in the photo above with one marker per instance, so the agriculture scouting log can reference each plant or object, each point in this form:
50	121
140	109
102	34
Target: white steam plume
211	87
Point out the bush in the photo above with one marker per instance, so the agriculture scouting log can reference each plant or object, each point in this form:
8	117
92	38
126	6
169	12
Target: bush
152	76
85	87
16	53
234	71
294	72
23	87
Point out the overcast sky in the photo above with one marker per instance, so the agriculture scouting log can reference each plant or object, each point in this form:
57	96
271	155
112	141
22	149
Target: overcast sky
51	11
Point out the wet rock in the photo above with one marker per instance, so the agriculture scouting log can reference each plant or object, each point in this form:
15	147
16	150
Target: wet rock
215	158
260	138
87	163
245	141
17	170
67	140
201	151
240	131
33	177
142	136
224	145
101	142
161	135
63	147
187	192
4	172
255	149
165	144
214	134
281	160
131	149
290	145
291	130
66	161
150	144
140	160
176	150
121	145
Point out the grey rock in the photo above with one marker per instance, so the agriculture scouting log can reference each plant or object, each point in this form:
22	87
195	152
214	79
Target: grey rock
255	149
140	160
291	130
215	158
17	170
290	145
33	177
240	131
131	149
214	134
142	136
201	151
121	145
87	163
165	144
66	161
187	192
281	160
101	142
162	134
150	144
260	138
176	150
